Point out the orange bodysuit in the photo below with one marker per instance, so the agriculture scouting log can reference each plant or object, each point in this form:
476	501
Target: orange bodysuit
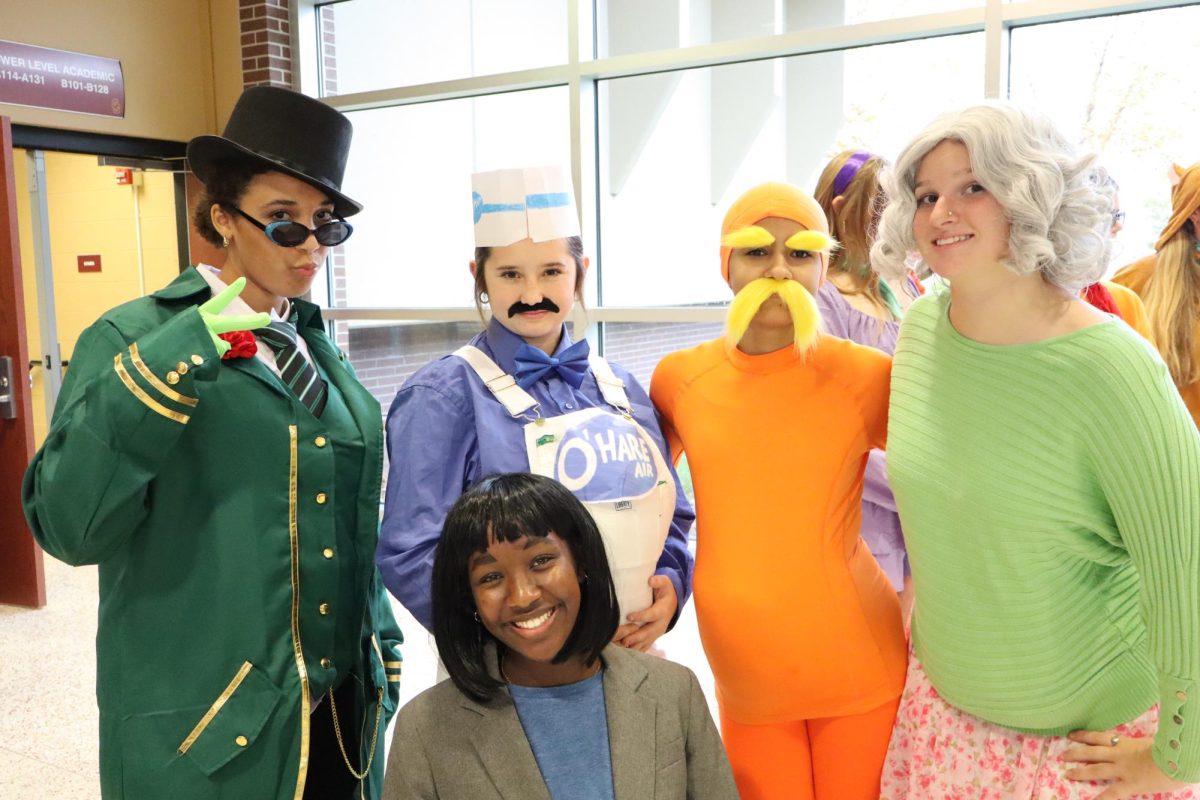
797	619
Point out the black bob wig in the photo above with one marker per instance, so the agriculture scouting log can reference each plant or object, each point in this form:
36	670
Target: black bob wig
507	508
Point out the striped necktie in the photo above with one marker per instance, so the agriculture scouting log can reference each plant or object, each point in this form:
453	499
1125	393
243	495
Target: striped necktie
296	371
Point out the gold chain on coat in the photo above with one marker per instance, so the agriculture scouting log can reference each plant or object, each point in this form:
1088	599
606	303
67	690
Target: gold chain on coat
337	730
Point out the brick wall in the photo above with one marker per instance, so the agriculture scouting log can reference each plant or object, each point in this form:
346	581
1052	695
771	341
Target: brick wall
384	356
337	295
329	86
639	346
266	42
337	257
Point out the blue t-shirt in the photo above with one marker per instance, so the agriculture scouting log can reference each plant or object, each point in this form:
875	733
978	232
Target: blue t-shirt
567	728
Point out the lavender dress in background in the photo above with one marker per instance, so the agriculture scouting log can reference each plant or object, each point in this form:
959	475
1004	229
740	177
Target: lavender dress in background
880	522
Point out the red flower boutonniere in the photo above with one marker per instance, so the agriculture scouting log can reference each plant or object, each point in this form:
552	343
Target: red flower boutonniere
242	344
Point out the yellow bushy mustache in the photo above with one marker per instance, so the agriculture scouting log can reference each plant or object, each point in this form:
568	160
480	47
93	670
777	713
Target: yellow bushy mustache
806	317
753	236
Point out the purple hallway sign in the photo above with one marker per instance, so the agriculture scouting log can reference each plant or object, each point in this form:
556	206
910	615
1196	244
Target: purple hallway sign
57	79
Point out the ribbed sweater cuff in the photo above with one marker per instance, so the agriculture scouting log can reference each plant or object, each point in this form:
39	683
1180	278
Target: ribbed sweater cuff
1177	743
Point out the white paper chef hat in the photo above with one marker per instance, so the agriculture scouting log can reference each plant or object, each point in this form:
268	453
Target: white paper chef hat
512	204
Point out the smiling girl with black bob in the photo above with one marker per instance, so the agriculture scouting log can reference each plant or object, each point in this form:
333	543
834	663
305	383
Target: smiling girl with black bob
509	509
539	703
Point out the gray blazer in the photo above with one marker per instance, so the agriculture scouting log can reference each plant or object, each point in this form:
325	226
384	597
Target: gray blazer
662	739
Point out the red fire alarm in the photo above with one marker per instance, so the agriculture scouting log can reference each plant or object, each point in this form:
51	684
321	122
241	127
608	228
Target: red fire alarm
124	176
88	263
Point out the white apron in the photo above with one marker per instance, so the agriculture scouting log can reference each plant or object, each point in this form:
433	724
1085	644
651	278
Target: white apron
606	460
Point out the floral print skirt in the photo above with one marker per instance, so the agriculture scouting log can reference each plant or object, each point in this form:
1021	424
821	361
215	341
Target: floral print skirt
940	753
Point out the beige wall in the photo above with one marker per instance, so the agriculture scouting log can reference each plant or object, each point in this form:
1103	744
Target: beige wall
90	214
226	57
181	60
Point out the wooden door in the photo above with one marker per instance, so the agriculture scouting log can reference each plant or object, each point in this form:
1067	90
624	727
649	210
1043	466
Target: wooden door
22	581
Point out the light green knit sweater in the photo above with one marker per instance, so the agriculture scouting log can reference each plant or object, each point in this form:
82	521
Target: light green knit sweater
1050	497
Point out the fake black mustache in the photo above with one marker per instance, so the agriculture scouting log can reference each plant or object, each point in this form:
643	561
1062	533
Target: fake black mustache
546	304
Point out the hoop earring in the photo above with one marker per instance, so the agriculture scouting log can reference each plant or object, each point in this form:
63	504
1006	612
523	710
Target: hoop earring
477	619
224	241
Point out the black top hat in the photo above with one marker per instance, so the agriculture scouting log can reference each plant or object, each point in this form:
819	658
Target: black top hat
284	131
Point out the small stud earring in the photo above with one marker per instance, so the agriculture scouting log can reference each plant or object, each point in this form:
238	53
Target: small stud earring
483	297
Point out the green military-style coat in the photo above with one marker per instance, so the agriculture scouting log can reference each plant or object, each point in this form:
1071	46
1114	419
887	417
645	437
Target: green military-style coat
235	535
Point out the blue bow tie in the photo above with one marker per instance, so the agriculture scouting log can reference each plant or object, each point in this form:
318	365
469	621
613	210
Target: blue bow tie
571	364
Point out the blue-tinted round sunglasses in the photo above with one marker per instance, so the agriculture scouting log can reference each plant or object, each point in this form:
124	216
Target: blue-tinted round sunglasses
287	233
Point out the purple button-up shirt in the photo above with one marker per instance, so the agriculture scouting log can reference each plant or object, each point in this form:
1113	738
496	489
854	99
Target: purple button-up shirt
445	431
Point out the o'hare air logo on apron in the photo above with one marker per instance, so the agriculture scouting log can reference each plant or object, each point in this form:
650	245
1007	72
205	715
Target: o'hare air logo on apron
609	463
605	458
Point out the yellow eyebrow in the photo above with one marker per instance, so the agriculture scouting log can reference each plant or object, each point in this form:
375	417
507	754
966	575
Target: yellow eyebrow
812	241
748	237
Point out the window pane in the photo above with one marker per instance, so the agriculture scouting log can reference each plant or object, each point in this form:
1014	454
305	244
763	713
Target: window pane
676	149
874	10
1123	94
374	44
638	26
411	167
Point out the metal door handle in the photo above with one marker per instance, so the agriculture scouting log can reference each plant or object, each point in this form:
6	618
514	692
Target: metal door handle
46	363
8	405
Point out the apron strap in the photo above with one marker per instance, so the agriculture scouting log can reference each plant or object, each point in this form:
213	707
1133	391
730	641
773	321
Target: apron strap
516	401
612	388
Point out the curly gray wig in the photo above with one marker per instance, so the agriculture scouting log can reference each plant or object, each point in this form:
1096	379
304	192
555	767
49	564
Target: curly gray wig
1054	200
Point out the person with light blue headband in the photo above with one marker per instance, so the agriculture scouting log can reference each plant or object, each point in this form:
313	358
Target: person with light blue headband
522	397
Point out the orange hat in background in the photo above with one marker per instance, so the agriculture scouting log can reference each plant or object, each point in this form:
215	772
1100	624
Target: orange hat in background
1185	199
780	200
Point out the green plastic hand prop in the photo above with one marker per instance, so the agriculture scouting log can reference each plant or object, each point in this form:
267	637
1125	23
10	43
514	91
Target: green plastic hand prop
217	322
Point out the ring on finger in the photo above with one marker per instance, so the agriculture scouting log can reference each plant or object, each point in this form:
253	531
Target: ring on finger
1115	740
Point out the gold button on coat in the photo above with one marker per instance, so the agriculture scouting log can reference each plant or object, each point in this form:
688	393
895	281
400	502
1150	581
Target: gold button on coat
321	498
172	377
1178	719
323	608
326	663
320	441
327	552
1181	695
197	360
182	368
242	741
1172	766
